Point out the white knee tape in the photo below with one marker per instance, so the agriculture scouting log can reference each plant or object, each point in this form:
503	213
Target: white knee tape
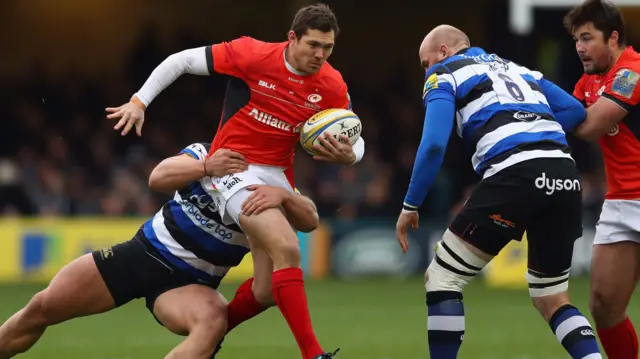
542	285
453	266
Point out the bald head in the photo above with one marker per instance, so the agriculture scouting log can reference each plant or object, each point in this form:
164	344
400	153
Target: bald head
443	38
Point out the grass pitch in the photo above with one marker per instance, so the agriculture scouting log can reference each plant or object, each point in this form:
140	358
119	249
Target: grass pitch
368	319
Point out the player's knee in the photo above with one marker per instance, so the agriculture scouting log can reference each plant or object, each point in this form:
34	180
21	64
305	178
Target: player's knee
290	249
284	250
453	266
544	285
604	307
40	310
548	305
210	320
263	293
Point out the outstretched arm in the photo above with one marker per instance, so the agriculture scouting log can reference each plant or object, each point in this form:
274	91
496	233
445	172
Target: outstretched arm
191	61
231	58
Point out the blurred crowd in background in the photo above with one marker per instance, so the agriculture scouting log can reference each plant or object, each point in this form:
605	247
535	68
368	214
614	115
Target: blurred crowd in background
64	159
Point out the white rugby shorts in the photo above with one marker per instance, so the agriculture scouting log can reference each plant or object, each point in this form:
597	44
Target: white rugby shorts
229	192
619	222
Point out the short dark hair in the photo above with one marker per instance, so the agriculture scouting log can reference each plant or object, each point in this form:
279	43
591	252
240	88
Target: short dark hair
316	17
604	16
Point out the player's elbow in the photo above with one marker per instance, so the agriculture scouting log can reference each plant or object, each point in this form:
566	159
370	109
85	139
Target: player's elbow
155	180
158	180
435	149
310	222
307	220
587	133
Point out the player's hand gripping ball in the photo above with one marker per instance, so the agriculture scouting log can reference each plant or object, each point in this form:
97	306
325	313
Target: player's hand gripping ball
335	121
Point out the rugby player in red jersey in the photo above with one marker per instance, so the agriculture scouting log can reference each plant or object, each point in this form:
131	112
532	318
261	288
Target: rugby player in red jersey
609	88
273	89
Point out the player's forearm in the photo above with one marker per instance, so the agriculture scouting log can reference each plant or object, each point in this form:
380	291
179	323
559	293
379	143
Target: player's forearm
588	132
425	171
435	136
175	173
567	110
191	61
602	116
301	212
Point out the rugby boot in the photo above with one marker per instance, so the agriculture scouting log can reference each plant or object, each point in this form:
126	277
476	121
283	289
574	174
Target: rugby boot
327	355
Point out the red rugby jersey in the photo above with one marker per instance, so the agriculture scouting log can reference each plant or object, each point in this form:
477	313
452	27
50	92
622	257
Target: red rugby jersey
266	103
621	145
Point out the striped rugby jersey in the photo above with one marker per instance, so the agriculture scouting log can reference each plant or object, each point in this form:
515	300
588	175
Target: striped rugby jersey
189	234
501	113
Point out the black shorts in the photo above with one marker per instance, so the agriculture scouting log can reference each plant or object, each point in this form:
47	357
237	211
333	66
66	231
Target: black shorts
134	269
540	196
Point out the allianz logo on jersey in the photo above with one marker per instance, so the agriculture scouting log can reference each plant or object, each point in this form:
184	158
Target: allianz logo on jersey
269	120
552	185
206	223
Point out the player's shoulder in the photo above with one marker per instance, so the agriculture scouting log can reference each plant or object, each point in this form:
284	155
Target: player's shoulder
198	150
255	47
463	58
627	65
584	80
263	46
630	59
329	78
624	76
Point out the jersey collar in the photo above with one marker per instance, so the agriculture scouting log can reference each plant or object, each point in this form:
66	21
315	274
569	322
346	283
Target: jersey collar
288	65
462	51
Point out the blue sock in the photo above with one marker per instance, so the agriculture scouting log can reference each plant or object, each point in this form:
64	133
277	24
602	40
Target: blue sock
575	333
445	323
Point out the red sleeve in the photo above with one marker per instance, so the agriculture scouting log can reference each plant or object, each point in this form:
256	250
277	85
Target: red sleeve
578	91
230	58
621	86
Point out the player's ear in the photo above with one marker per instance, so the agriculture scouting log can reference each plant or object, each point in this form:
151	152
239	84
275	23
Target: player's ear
291	35
443	51
613	38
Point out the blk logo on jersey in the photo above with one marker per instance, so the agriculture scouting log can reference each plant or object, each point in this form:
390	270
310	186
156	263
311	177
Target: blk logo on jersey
267	85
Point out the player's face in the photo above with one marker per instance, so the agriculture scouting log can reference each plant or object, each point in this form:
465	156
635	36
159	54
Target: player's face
312	49
594	52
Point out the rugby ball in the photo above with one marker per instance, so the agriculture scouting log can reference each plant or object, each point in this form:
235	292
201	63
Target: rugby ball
336	121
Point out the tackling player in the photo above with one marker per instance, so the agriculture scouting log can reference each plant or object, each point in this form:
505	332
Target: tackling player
273	89
609	88
175	261
514	121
